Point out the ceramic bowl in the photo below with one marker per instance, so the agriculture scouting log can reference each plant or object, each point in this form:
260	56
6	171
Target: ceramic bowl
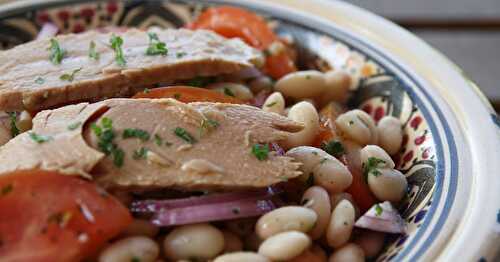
451	150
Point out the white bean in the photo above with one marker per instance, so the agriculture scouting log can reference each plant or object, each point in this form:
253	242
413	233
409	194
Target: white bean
388	184
376	152
317	199
341	223
302	84
332	174
241	257
306	114
238	90
358	126
337	87
201	241
261	83
336	198
285	246
350	252
141	227
309	156
231	242
127	249
285	219
274	103
371	242
390	131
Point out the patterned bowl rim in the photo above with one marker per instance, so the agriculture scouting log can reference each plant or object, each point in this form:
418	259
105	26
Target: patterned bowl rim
467	139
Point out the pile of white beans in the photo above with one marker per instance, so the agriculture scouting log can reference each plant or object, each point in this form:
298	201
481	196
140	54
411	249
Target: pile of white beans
321	228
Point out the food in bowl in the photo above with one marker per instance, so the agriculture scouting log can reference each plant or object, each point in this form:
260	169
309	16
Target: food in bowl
215	146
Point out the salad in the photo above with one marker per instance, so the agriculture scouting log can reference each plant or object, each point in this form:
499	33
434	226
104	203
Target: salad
206	143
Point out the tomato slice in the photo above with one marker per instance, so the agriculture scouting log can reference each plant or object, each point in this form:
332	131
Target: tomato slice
46	216
232	22
187	94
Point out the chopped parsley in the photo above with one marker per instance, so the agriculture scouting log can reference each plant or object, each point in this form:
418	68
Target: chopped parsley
39	80
56	52
184	135
181	54
158	140
333	147
206	125
308	77
146	90
137	133
156	47
6	189
261	152
116	43
106	135
74	125
370	167
135	259
92	52
378	210
200	81
323	160
40	139
228	92
271	104
14	130
140	153
177	96
70	77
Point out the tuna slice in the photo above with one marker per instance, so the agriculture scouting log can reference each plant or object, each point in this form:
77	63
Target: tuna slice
211	149
29	80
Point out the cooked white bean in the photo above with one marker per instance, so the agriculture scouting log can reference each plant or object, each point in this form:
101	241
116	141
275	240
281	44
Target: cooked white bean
332	174
358	126
231	242
341	223
336	198
302	84
337	87
141	248
274	103
371	242
390	131
285	219
376	152
388	184
261	83
350	252
141	227
317	199
202	241
242	257
285	246
306	114
309	156
238	90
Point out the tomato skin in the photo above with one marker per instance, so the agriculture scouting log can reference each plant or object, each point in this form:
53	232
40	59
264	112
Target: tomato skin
232	22
188	94
46	216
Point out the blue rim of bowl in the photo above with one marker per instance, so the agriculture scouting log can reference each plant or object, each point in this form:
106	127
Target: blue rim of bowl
357	44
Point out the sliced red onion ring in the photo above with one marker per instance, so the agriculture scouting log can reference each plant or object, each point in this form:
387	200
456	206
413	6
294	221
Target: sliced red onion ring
48	30
213	212
159	205
383	218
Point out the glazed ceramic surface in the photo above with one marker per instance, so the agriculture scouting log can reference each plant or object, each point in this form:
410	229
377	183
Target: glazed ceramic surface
445	121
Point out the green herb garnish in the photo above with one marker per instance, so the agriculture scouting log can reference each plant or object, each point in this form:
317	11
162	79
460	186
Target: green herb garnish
156	47
260	151
70	77
334	148
181	54
146	90
140	153
39	80
106	135
371	166
271	104
39	138
184	135
74	125
116	43
6	189
228	92
135	259
92	52
323	160
206	125
135	132
200	81
378	210
56	52
177	96
158	140
14	130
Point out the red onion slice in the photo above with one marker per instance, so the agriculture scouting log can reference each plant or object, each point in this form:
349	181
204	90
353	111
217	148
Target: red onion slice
213	212
383	218
48	30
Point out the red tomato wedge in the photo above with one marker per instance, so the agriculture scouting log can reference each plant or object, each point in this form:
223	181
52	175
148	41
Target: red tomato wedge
45	216
187	94
236	22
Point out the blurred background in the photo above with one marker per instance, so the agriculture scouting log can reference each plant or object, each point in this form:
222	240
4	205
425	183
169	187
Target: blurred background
466	31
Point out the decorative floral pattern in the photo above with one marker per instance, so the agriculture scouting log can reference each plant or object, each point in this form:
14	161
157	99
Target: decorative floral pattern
377	92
